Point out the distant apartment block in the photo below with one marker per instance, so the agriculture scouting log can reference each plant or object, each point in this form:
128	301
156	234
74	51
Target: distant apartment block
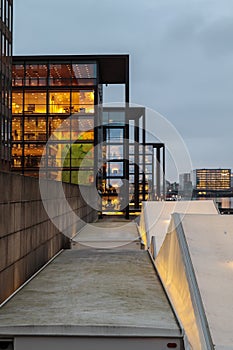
6	17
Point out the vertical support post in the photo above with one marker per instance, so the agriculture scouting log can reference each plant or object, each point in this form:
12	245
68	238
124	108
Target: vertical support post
126	141
153	174
136	163
158	189
164	178
126	162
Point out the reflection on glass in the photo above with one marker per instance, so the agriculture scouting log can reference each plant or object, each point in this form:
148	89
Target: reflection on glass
59	128
82	177
82	155
114	118
82	129
115	168
114	135
115	152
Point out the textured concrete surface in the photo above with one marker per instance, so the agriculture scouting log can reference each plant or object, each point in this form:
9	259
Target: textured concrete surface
210	242
196	265
156	216
94	288
109	234
28	239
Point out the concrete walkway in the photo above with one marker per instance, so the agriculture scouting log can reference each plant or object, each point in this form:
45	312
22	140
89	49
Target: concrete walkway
108	234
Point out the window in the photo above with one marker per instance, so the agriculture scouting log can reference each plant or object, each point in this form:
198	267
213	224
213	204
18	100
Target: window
17	102
59	75
35	128
32	155
114	135
82	129
82	155
35	102
59	128
83	102
17	152
83	73
115	169
17	128
36	75
59	102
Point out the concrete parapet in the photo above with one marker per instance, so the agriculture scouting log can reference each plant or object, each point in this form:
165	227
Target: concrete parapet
28	238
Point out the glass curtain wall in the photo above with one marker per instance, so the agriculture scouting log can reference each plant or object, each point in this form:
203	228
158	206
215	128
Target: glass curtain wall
56	101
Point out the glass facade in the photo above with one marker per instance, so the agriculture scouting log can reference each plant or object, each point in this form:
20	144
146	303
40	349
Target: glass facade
213	179
54	101
55	98
6	14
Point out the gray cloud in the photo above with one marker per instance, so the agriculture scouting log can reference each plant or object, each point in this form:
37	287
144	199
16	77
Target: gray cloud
216	37
181	57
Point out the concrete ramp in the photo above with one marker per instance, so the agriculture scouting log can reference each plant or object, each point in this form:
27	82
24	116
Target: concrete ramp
195	263
108	234
95	299
155	217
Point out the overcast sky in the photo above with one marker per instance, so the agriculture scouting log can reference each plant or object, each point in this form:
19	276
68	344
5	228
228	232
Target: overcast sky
181	56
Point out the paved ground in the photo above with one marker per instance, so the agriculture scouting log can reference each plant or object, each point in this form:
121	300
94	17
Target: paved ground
109	234
95	288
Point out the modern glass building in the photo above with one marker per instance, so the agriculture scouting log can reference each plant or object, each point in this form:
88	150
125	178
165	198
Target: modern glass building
6	18
212	179
60	98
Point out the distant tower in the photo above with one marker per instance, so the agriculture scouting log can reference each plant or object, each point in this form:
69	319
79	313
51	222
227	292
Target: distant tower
6	17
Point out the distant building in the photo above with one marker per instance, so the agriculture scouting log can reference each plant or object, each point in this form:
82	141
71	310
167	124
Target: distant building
172	191
185	185
212	182
6	16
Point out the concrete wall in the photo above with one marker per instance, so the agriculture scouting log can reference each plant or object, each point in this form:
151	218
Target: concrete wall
28	238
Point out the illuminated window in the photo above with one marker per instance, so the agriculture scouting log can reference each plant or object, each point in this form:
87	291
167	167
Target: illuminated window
35	128
32	155
17	129
35	102
59	102
82	129
17	102
82	102
59	128
16	155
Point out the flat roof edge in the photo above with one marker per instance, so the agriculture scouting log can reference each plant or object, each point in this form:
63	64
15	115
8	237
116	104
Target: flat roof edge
61	56
90	330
